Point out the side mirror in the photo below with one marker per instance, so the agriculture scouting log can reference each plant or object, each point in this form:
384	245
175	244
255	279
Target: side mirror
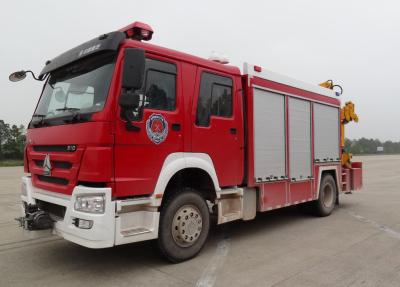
17	76
133	70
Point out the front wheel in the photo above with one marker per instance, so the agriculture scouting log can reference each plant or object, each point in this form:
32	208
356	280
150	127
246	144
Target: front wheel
184	226
327	196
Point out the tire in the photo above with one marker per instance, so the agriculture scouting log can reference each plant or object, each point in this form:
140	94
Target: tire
327	196
184	226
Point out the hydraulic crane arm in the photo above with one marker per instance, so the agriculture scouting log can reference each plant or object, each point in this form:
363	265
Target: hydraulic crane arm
347	114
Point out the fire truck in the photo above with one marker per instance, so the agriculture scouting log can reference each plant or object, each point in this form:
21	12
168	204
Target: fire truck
131	141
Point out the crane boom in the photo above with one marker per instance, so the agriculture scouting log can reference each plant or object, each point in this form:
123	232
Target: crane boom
347	114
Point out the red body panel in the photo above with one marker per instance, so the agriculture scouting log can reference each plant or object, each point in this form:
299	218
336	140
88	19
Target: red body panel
286	192
295	91
273	195
301	191
188	77
138	160
216	140
96	166
356	176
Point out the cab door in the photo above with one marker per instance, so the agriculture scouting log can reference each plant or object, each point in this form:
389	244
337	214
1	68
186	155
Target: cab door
140	153
217	128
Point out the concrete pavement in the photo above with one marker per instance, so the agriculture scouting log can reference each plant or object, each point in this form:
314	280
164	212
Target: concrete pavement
358	245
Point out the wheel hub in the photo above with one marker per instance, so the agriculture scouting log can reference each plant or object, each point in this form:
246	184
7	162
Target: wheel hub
187	225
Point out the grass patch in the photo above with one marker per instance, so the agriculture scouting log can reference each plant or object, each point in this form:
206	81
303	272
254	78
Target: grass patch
11	162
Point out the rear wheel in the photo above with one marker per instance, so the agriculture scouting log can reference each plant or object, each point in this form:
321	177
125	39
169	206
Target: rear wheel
184	226
327	196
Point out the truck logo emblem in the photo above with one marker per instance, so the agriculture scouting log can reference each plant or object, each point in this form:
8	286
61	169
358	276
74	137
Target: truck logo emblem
157	128
47	166
88	50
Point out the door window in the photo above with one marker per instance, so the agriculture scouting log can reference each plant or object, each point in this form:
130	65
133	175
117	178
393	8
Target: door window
160	91
159	88
215	98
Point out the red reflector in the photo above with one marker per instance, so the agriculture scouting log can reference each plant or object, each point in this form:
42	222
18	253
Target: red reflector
257	69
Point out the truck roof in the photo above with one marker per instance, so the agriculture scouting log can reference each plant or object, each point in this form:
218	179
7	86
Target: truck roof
115	40
250	70
327	95
162	51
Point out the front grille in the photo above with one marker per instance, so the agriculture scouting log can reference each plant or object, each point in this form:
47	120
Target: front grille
53	209
52	179
56	164
54	148
64	163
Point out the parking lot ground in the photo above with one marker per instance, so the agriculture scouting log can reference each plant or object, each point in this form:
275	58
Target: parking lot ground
358	245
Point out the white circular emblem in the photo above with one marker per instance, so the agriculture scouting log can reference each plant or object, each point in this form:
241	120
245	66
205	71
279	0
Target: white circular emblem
157	128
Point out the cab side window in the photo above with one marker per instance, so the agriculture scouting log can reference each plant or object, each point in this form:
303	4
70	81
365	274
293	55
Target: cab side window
160	91
159	88
215	98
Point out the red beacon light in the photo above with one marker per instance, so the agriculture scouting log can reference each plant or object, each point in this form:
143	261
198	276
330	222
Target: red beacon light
138	31
258	69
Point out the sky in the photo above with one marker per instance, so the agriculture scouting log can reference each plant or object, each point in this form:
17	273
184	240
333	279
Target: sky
355	43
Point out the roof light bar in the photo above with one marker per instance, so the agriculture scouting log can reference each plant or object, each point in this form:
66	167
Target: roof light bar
138	31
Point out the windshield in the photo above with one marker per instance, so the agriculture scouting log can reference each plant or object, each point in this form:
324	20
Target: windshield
74	92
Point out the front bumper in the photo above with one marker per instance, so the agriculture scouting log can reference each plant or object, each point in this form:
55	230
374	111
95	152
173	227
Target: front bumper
117	225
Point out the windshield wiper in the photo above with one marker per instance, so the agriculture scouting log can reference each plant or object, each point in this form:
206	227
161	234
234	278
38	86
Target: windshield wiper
74	112
67	109
39	116
76	116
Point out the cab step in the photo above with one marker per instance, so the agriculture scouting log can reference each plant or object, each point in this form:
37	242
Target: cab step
236	203
135	231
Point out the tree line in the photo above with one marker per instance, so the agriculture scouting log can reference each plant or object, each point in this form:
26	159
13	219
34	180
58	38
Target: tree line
370	146
12	141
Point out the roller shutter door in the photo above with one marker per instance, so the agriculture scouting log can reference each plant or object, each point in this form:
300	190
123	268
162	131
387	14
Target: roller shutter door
269	136
299	139
326	133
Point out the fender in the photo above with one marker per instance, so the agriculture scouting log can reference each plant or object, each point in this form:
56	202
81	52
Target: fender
327	168
179	161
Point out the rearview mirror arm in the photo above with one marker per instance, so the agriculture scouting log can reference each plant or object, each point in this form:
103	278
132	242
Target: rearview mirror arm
33	75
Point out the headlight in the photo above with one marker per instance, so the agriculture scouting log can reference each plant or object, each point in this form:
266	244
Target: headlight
90	203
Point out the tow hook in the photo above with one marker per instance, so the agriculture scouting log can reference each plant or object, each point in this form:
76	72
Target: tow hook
35	219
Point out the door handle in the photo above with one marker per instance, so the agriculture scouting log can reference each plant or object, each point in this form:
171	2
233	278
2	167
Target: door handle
233	131
176	127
